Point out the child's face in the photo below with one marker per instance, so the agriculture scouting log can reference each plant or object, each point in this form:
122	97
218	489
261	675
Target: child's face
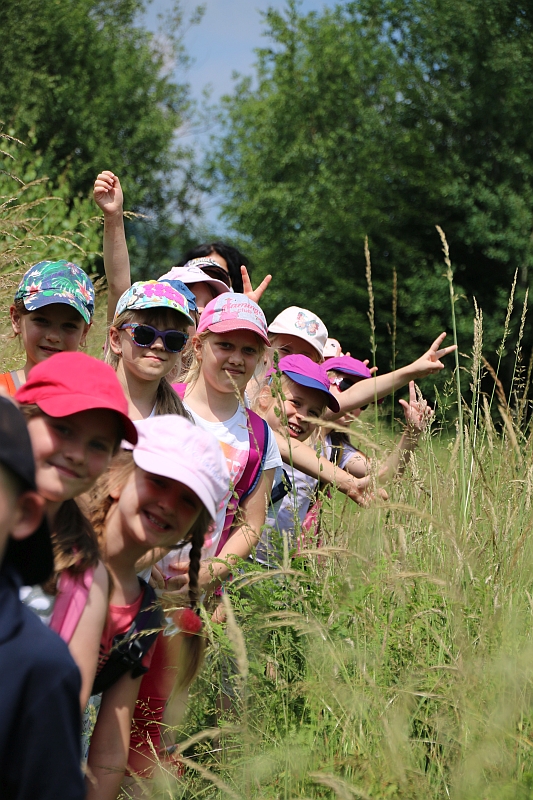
156	511
300	401
288	345
20	512
203	294
72	452
154	362
229	359
52	329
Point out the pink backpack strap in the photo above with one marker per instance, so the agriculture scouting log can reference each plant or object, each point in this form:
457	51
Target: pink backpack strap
180	389
258	433
73	591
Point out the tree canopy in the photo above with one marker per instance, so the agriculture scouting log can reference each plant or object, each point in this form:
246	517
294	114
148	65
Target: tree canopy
386	118
87	88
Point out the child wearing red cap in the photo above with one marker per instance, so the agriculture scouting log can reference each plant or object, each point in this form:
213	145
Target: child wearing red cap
163	494
77	416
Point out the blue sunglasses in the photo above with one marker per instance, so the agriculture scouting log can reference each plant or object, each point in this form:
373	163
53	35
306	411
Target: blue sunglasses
146	335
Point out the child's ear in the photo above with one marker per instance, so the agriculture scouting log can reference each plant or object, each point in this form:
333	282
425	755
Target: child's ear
87	328
197	347
30	511
114	341
265	399
15	320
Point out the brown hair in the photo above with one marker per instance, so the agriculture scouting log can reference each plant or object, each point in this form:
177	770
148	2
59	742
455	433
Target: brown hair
166	401
73	537
100	503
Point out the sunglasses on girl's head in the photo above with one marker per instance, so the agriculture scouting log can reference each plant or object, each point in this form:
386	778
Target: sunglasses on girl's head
146	335
218	273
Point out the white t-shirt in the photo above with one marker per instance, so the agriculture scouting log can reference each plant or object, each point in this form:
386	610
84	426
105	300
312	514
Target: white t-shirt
293	508
234	439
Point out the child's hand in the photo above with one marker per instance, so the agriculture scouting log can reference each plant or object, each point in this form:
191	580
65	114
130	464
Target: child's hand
360	494
107	193
248	289
417	412
429	363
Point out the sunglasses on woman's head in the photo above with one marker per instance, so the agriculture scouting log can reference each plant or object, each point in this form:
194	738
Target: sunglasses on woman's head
146	335
218	273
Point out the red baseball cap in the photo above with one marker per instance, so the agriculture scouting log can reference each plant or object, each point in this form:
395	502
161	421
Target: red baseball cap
70	382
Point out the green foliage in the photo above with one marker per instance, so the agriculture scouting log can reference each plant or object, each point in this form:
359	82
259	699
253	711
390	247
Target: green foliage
88	88
40	220
386	119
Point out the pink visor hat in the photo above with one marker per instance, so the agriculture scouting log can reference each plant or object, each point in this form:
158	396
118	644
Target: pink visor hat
233	312
68	383
193	274
305	372
172	447
348	366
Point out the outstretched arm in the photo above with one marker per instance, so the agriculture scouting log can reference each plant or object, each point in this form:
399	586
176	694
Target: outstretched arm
108	196
304	458
364	392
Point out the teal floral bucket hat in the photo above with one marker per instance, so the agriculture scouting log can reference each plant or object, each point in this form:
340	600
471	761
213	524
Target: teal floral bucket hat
152	294
57	282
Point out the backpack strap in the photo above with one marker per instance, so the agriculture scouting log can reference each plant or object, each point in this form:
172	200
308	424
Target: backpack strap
130	648
180	389
258	432
73	591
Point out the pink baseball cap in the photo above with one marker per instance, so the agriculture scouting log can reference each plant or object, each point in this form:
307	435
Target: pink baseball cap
302	370
332	349
67	383
233	312
171	446
302	323
190	273
348	365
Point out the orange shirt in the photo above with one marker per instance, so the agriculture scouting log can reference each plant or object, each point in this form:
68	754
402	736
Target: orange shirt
7	383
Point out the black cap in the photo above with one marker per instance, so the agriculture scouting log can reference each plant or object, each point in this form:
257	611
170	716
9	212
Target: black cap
33	557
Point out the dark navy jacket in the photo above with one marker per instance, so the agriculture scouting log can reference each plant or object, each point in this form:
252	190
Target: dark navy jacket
40	747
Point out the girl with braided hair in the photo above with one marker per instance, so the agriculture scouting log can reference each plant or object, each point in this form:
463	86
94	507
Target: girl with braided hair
162	494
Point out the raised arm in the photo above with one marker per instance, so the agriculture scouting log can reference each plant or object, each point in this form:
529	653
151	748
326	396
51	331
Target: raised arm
109	197
364	392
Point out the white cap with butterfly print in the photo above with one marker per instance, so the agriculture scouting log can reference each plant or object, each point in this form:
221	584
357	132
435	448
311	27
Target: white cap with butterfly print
302	323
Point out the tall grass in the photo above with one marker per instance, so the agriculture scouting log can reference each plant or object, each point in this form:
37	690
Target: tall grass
396	660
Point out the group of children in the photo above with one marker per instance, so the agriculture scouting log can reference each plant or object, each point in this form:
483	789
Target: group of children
199	439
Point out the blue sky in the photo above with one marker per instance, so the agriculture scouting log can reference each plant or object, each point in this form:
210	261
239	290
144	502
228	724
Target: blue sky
225	39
